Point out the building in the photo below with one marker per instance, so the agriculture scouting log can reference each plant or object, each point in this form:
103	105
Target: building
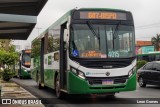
143	47
143	43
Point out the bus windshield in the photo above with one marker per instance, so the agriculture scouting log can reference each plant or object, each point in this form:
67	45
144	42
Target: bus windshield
102	41
26	58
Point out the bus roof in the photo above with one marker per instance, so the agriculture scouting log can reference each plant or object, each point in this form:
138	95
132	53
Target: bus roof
109	9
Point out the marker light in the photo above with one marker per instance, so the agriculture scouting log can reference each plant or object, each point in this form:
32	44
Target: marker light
131	72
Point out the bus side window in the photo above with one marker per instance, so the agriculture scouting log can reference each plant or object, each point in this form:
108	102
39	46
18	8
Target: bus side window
157	57
151	57
146	58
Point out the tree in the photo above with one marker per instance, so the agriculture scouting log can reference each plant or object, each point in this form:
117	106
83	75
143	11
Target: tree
36	46
8	57
156	42
5	44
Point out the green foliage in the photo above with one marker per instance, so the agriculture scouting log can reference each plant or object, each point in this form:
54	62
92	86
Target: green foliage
35	48
156	42
141	63
8	58
53	43
12	48
7	74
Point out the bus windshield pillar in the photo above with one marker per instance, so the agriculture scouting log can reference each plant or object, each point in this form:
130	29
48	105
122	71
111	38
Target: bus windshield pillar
42	61
62	57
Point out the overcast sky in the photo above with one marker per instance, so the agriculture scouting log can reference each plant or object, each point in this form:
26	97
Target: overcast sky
146	14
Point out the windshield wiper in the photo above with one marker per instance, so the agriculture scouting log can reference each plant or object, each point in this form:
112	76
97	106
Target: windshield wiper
115	31
92	29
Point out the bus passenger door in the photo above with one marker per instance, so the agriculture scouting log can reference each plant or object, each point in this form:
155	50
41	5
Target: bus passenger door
63	57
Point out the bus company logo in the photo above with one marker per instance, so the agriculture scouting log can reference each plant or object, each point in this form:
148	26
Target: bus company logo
88	73
96	73
107	73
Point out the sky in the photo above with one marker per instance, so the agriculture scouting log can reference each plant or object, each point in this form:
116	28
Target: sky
146	14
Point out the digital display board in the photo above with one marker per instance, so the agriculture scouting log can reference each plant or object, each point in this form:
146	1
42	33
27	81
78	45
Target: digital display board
27	51
103	15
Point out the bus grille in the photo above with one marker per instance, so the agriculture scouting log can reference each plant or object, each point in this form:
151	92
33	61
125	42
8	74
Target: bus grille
98	80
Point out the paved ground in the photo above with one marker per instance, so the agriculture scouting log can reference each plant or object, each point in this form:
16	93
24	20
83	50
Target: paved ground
101	101
12	90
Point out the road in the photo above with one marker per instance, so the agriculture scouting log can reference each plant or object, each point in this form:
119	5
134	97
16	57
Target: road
92	100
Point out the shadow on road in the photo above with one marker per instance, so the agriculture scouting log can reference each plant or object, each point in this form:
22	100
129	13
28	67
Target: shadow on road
153	86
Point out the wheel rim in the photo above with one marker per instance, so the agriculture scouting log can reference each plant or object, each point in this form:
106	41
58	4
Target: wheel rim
141	81
57	88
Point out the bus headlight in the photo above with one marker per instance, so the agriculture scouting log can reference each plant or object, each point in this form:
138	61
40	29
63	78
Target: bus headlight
25	70
78	73
131	72
81	74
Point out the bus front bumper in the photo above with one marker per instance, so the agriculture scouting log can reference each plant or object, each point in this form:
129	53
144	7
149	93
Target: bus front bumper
76	85
25	73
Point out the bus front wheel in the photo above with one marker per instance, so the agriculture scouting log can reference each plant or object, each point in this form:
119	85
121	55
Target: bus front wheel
20	77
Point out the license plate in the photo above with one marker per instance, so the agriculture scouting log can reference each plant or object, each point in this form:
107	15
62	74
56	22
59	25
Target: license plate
107	82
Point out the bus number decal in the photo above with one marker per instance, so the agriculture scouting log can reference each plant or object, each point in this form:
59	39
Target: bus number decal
113	54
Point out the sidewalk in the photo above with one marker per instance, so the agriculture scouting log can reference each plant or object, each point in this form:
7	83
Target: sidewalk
13	90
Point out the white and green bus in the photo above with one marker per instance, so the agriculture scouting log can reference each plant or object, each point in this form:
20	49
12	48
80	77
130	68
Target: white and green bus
24	64
87	51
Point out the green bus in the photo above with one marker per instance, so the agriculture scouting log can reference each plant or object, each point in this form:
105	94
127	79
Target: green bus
24	64
151	56
86	51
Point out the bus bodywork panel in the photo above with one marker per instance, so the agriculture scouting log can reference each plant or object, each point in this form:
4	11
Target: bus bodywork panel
35	67
25	73
49	79
76	85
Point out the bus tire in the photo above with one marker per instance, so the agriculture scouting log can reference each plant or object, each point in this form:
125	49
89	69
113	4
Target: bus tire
141	82
20	77
59	93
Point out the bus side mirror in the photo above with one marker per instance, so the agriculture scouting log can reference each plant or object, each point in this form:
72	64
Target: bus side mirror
65	36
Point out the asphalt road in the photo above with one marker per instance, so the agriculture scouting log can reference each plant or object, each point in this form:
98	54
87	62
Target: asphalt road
119	100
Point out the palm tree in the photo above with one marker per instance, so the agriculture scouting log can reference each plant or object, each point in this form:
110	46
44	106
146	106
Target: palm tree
156	42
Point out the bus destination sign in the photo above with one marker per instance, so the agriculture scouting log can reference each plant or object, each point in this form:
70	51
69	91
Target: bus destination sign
102	15
27	51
